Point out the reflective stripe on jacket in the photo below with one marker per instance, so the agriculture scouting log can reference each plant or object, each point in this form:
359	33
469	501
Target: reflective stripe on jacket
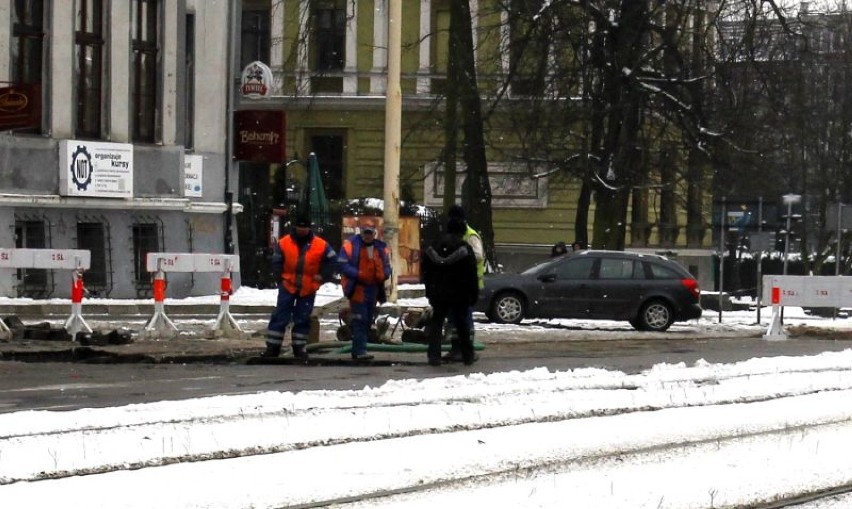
301	265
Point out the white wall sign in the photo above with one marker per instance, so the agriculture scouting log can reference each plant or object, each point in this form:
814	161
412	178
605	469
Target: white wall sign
94	169
193	166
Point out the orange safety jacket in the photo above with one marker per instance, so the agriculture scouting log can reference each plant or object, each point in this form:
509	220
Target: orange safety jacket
300	266
358	271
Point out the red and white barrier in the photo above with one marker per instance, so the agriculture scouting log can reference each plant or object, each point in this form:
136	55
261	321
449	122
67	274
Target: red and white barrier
775	331
161	325
77	260
805	291
75	322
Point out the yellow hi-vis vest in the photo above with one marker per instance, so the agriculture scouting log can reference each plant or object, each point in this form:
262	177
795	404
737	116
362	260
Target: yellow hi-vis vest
480	264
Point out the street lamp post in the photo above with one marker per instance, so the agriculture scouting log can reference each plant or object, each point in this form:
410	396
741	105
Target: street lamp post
789	200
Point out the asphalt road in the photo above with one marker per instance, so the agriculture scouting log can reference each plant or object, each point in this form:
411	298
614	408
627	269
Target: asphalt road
69	386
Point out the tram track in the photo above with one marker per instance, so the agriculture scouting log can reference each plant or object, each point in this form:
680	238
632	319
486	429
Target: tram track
563	466
166	441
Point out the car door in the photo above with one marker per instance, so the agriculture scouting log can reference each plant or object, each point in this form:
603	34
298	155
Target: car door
616	288
564	288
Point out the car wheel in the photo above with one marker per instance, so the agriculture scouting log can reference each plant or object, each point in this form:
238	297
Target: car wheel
508	308
656	316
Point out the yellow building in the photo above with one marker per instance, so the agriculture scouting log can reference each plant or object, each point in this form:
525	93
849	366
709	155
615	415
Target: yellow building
328	60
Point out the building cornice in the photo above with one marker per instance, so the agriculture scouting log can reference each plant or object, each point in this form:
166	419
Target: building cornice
72	202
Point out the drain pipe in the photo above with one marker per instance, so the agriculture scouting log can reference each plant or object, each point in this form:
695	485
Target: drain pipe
229	138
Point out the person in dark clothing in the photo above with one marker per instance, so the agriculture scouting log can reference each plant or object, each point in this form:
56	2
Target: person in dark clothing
452	286
558	249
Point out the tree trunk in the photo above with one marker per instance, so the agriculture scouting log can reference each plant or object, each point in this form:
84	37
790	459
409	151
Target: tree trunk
667	228
695	227
451	126
476	191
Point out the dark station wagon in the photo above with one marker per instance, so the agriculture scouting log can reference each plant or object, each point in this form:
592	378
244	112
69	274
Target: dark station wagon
649	291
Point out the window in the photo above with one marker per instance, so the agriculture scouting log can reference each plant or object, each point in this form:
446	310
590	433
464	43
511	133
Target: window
329	150
92	236
88	65
613	268
440	45
27	40
328	44
189	90
528	47
32	234
145	36
254	33
27	53
329	33
662	272
576	268
145	240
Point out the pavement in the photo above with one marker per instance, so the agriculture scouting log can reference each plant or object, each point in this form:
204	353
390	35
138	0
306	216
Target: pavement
120	336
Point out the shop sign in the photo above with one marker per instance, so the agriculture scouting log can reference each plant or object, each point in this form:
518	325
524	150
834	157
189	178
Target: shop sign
20	107
95	169
259	136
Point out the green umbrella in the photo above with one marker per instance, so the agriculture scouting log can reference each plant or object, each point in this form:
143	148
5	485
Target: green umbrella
314	201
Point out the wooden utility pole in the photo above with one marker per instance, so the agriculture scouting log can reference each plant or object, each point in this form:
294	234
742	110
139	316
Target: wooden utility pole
393	137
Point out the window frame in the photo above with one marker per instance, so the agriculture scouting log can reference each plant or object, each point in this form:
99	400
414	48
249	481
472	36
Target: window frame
529	50
97	277
145	33
189	89
33	233
255	34
89	99
332	162
26	62
141	232
330	41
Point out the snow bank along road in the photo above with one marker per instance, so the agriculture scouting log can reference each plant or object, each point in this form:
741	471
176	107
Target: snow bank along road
674	436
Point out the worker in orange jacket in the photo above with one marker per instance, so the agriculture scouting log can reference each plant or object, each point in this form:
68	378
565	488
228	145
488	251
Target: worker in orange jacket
364	265
301	258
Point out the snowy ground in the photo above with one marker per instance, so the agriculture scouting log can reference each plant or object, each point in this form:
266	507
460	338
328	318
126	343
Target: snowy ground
675	436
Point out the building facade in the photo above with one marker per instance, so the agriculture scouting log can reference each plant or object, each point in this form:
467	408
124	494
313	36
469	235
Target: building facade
125	151
328	59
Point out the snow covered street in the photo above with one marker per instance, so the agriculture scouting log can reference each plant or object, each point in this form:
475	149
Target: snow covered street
674	436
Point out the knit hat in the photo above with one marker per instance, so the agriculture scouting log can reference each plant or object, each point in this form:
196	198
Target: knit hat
455	225
303	221
456	212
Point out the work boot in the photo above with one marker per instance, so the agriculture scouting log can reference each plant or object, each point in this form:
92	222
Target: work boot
271	351
453	355
362	357
434	361
470	360
299	352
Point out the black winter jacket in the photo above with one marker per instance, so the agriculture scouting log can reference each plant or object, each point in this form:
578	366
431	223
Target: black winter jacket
449	271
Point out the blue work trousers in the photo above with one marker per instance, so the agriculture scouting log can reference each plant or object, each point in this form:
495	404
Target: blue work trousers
290	307
362	315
